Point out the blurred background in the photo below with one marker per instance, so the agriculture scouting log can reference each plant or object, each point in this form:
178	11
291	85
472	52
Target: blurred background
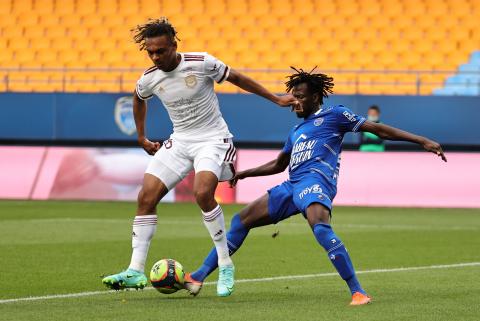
68	68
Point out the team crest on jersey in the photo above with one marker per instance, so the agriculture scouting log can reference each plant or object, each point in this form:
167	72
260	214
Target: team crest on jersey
317	122
191	81
124	115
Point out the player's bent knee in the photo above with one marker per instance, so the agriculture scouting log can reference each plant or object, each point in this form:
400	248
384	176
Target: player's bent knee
205	198
317	213
147	202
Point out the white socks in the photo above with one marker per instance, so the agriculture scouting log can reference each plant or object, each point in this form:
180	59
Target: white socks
144	227
216	227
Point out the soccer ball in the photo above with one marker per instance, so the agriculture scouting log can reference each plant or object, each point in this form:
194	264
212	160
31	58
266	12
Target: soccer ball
167	276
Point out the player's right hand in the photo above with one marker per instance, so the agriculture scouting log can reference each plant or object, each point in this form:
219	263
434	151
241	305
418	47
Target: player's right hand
286	101
150	147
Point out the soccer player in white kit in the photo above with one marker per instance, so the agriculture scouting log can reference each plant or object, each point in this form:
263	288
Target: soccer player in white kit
184	82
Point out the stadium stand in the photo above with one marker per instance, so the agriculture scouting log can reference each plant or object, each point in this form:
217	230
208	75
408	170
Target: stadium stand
466	82
369	46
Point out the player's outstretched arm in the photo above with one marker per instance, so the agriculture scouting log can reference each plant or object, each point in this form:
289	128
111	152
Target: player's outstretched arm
248	84
392	133
274	166
139	113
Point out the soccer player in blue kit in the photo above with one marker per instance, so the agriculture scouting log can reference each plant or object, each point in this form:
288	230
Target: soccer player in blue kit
312	153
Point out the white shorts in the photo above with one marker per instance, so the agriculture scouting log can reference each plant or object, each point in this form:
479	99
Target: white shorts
176	158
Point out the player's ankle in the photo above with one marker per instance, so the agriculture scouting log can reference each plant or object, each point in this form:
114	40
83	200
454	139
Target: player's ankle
225	262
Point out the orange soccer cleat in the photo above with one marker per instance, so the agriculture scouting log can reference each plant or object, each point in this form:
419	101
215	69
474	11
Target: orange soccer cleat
360	299
191	285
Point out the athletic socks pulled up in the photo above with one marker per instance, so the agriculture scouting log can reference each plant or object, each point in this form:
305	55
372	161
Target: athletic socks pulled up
215	224
144	227
338	255
235	237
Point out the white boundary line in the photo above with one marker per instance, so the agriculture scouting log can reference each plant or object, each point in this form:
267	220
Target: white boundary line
275	278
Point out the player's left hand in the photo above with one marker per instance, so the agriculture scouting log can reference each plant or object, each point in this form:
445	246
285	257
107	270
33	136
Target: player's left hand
286	100
434	147
234	180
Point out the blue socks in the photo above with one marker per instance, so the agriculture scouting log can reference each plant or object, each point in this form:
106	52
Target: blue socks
338	255
235	237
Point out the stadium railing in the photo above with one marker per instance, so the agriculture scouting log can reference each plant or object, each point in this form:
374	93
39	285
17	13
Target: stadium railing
368	82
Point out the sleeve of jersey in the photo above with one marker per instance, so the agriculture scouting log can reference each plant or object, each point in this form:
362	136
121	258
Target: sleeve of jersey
348	121
287	148
216	69
143	91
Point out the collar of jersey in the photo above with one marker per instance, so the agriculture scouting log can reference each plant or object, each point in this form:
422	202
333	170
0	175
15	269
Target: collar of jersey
315	114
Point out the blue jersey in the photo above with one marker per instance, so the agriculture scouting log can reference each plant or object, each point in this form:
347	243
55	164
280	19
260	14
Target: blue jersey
315	144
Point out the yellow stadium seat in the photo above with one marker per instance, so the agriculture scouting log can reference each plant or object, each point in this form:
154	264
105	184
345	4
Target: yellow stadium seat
21	6
26	58
27	19
60	44
237	8
113	58
69	58
108	7
6	58
47	58
215	7
12	31
7	19
171	8
107	82
5	7
90	20
281	8
116	20
99	33
49	19
34	32
85	8
65	7
259	8
128	81
18	45
77	33
83	45
70	20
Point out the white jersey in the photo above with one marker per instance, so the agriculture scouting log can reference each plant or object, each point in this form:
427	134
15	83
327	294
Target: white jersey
188	95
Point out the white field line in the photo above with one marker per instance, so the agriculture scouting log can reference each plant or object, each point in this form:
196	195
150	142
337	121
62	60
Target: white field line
283	224
275	278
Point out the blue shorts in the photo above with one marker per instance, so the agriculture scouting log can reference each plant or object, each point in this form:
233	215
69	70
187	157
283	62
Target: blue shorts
289	198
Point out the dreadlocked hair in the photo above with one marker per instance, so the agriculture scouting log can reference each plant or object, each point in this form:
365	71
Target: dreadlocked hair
317	82
153	28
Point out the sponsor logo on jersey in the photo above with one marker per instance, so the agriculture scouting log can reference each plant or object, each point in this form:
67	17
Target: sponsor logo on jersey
316	189
317	122
301	152
191	81
123	114
349	116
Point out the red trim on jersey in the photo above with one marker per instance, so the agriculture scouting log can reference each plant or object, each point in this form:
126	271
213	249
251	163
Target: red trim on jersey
150	70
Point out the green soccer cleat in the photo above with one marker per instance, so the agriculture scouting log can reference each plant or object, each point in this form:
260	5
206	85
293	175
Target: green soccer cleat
225	284
128	279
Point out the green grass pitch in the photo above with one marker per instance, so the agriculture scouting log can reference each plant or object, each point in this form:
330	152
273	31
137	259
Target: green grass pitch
51	248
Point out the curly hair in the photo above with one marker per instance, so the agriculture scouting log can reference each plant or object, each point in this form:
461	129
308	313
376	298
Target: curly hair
153	28
316	82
